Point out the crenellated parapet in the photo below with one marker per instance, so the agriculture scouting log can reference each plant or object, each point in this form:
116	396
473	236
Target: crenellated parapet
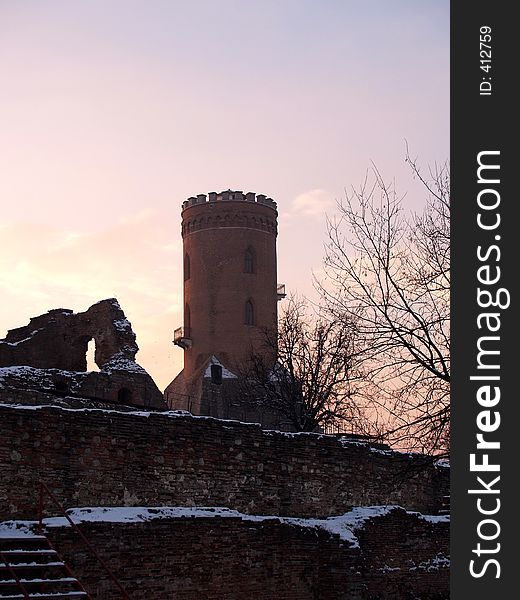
229	209
236	219
229	196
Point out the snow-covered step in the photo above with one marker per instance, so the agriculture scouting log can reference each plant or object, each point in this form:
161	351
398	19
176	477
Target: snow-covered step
29	552
75	594
40	596
34	569
35	565
34	573
41	580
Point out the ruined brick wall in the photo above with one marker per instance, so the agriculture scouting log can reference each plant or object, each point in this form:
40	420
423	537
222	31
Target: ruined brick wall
49	355
59	338
130	385
405	557
96	458
215	558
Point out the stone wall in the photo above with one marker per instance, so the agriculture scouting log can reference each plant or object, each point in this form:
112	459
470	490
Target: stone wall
396	556
93	457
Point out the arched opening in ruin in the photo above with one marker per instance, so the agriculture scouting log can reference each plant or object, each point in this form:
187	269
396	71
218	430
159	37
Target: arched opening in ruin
91	353
124	395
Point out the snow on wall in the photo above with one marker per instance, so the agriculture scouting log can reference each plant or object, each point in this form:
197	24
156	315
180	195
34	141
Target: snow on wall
344	526
101	456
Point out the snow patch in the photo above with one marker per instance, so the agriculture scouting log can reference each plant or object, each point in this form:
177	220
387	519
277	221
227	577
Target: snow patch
119	362
434	564
18	529
123	325
33	373
432	518
31	334
226	374
170	414
344	526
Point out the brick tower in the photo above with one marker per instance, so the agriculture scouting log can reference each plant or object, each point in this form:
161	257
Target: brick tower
230	299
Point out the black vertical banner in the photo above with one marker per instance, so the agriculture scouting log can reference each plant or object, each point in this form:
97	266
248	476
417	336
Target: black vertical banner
485	251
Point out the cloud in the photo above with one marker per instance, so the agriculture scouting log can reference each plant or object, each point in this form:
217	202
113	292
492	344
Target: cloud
313	203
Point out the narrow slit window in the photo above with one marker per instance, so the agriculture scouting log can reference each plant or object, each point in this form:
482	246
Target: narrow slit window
249	313
249	261
187	273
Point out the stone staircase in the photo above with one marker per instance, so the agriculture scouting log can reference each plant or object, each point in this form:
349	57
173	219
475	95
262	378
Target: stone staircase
31	568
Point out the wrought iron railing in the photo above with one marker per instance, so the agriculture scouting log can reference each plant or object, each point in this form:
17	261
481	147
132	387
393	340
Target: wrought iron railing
15	577
181	333
44	490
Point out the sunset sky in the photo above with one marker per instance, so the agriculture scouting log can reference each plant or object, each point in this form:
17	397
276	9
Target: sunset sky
112	112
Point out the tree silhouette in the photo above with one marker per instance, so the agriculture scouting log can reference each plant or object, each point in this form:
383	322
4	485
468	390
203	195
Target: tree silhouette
390	274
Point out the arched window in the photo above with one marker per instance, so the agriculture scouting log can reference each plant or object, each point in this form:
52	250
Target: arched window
249	261
249	313
186	267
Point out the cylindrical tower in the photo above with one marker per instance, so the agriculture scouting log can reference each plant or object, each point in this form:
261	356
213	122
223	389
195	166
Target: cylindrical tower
230	283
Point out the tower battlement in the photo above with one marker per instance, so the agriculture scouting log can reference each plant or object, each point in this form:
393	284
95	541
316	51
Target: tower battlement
229	196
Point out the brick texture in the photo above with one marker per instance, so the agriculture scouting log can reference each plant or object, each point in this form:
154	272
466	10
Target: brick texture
228	559
109	458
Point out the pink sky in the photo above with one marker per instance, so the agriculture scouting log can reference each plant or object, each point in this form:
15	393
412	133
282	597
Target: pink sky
112	113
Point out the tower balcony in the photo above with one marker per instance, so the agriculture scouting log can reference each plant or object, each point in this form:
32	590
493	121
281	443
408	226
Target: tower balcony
182	337
280	291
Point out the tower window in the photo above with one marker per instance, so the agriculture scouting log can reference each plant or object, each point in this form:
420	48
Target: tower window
249	313
186	267
216	374
249	261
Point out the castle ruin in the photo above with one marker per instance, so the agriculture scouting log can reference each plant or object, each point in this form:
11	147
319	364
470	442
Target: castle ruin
107	493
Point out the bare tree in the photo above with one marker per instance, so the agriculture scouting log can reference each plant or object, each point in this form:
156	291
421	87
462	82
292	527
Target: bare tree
390	274
311	384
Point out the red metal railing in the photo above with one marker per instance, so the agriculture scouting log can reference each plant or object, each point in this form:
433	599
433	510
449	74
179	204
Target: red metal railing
44	490
69	572
15	577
